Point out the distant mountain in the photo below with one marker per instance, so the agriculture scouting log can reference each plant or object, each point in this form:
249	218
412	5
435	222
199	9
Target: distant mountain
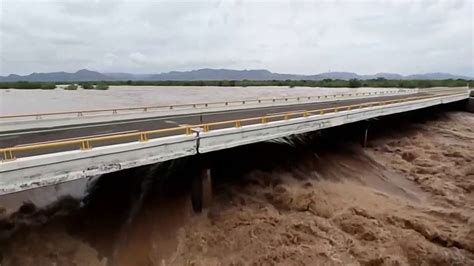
335	75
435	76
387	76
214	74
128	76
81	75
224	74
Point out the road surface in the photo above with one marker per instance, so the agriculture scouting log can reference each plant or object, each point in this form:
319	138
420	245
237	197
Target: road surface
163	122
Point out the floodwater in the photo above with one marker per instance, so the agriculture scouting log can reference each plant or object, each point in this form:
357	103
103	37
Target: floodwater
319	199
15	102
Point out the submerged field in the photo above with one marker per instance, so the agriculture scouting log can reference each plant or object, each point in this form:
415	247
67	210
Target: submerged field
407	199
14	102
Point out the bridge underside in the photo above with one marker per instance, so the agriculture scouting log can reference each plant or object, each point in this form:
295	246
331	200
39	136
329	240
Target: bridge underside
470	105
41	170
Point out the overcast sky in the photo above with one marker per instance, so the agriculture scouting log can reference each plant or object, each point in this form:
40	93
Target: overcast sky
301	37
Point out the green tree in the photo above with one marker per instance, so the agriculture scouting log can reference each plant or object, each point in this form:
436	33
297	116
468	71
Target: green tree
101	86
71	87
87	86
25	85
354	83
48	86
423	84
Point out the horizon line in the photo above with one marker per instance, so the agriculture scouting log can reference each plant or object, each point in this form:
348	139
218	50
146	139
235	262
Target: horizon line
231	69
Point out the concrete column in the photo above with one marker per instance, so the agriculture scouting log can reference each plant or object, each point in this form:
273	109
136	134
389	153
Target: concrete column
470	105
201	190
365	136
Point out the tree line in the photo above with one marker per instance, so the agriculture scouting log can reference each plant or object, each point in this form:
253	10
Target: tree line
331	83
26	85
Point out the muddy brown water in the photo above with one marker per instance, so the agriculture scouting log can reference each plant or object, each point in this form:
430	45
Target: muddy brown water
15	102
265	195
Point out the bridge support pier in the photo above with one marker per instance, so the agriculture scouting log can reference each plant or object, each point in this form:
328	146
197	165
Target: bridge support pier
366	134
470	105
201	190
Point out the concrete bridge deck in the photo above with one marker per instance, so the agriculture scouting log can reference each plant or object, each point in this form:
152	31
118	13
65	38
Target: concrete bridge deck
45	156
36	135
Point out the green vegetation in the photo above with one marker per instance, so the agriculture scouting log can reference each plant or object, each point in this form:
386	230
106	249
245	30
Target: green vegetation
48	86
101	86
331	83
354	83
87	86
71	87
22	85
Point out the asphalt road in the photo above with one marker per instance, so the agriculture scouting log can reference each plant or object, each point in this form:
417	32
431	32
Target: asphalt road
67	133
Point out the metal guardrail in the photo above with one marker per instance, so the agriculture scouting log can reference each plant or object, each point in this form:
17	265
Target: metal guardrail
115	111
86	143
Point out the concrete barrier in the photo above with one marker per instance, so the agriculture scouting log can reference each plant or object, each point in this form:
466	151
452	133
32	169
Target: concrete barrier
21	124
36	171
42	170
232	137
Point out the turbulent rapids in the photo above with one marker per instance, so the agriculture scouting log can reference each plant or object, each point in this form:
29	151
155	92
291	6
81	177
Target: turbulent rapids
407	198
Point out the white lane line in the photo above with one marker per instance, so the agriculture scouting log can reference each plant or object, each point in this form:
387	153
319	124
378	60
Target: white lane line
85	126
85	137
143	120
171	122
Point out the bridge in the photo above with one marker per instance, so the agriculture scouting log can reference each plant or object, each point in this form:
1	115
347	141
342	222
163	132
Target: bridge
50	148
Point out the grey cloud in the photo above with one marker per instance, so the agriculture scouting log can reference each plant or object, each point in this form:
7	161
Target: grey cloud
283	36
88	8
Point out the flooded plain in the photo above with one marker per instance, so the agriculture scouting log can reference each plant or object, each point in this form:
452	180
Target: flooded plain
15	102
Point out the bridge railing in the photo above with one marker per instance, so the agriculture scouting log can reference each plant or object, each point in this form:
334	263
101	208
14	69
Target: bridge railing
203	105
88	143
